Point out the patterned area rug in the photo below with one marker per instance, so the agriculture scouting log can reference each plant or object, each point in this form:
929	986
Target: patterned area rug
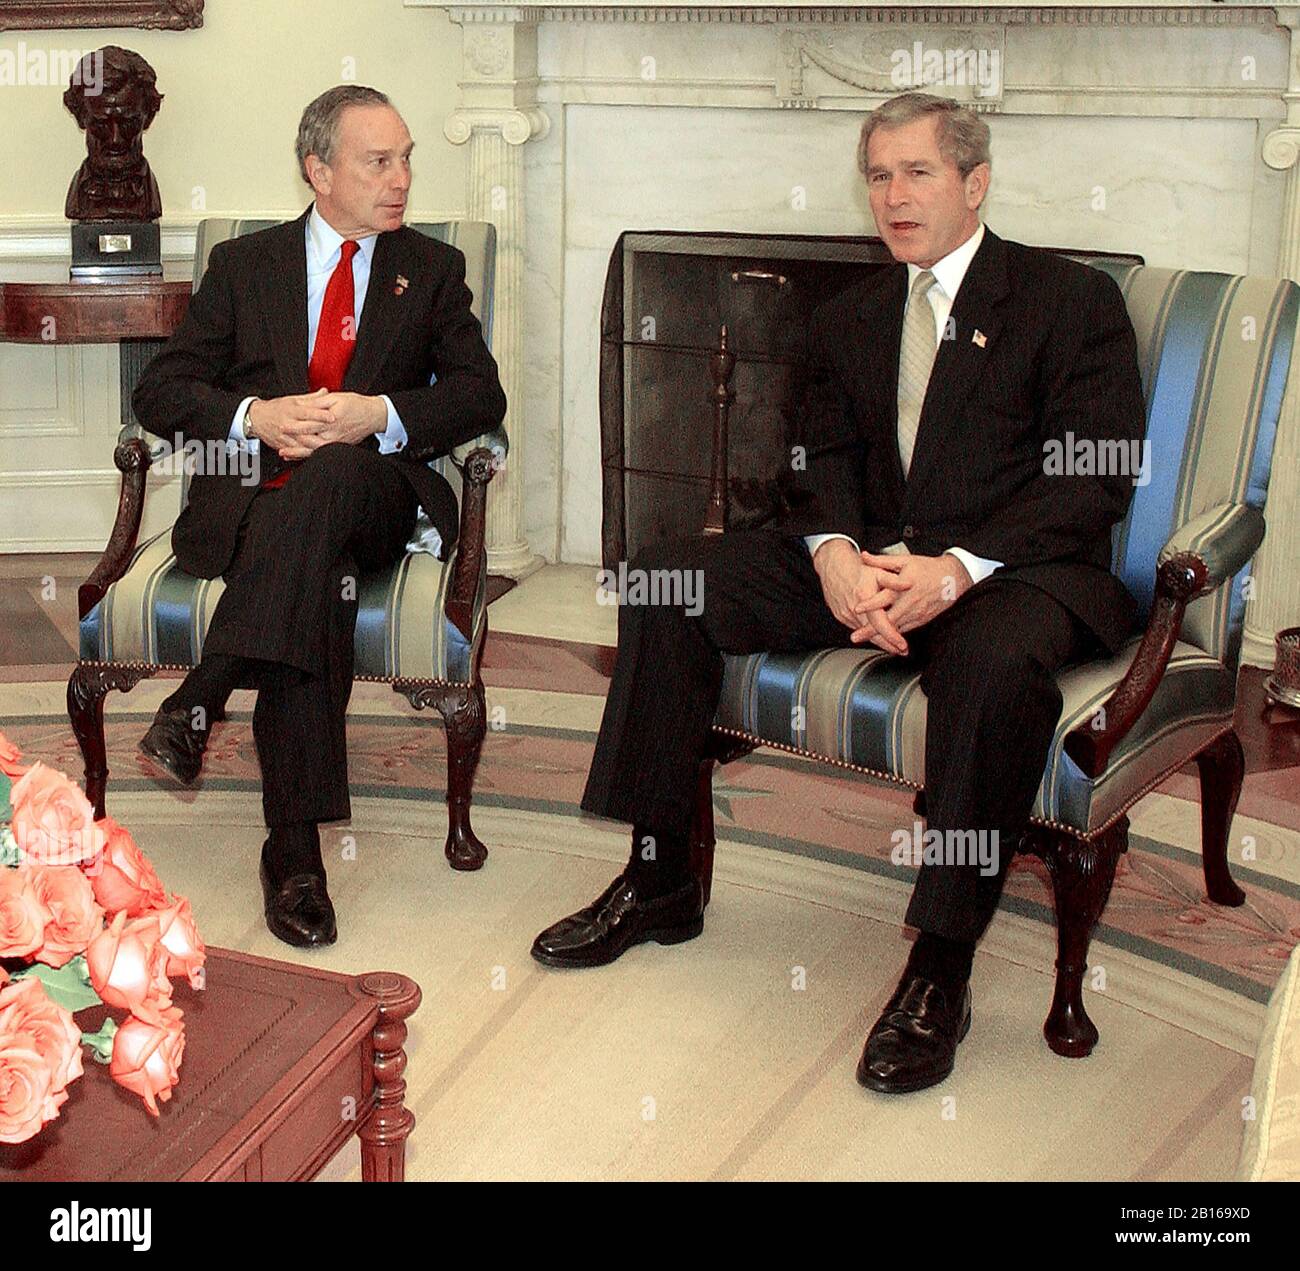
700	1061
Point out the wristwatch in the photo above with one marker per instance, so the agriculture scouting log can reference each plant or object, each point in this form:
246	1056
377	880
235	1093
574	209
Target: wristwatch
246	421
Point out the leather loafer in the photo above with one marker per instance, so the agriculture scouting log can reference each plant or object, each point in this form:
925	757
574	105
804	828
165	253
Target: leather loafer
618	918
914	1042
298	910
173	747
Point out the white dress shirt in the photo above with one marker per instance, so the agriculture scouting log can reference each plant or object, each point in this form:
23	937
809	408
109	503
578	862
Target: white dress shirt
948	274
324	251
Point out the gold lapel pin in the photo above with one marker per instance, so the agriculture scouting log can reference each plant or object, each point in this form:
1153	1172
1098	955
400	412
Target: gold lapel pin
980	338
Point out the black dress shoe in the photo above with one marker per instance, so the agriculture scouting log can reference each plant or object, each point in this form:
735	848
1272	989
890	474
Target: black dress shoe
174	747
298	909
618	918
914	1042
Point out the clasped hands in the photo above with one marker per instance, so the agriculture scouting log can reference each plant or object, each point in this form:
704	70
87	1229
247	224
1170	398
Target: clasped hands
879	598
295	426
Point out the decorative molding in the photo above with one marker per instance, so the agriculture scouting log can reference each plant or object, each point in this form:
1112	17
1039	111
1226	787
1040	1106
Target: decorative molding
67	417
516	126
487	51
88	497
870	65
1211	13
39	238
62	479
1282	147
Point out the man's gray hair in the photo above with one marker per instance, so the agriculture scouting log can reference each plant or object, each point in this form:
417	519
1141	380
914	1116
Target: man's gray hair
318	130
963	134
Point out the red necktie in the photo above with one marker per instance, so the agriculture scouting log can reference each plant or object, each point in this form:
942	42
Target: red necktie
336	338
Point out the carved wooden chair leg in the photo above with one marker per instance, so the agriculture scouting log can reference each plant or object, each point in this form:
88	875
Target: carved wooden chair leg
464	711
88	685
1222	767
1083	872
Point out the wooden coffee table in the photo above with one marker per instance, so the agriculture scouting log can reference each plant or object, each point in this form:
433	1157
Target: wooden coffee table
282	1065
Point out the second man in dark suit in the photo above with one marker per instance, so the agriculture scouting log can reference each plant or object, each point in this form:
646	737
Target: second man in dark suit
922	520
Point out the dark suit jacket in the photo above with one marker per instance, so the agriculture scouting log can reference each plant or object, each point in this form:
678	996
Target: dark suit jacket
245	334
1058	357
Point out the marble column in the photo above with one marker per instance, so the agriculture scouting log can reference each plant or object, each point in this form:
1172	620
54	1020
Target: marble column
497	116
1276	603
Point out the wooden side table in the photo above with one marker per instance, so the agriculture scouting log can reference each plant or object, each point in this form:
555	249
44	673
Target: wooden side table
282	1065
136	314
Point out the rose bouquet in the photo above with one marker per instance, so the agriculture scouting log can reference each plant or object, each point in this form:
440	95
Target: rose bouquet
84	920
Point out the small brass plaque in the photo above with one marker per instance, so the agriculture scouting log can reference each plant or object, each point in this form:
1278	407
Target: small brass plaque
115	242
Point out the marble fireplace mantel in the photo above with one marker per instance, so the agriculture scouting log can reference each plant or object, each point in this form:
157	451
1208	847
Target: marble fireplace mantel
1190	110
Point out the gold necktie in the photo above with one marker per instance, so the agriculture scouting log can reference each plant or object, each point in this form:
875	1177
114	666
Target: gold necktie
915	360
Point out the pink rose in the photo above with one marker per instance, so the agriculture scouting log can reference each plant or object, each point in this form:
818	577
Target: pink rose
127	965
26	1011
147	1056
9	757
23	917
75	919
53	821
25	1085
124	879
180	937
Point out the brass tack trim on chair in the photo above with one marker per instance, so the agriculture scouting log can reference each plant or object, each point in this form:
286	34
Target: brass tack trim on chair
1045	822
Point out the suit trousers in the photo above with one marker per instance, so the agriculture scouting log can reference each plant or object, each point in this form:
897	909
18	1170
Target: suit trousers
987	666
291	603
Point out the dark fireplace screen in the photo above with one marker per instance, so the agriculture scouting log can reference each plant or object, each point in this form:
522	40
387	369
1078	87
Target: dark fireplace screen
666	297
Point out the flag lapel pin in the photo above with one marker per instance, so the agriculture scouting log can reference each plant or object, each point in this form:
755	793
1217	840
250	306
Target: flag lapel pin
402	284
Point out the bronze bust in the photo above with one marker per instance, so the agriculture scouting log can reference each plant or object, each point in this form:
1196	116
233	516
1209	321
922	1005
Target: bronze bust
114	182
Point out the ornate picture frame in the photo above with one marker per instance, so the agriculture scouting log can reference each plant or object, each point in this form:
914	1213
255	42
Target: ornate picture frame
45	15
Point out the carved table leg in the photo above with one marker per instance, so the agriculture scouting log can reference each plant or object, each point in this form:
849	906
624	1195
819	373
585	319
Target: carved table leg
1082	873
384	1132
1222	767
87	687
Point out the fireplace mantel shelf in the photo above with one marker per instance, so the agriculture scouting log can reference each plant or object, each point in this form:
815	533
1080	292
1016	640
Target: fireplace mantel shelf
1189	12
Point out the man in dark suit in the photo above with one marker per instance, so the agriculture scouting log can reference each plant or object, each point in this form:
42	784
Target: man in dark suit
334	346
921	518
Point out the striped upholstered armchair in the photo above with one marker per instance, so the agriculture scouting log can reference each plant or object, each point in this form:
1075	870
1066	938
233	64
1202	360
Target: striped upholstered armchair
1214	352
421	624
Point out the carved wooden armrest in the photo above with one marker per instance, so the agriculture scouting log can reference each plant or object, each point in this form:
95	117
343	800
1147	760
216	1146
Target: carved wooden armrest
497	441
132	457
1178	581
158	447
1202	555
477	470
